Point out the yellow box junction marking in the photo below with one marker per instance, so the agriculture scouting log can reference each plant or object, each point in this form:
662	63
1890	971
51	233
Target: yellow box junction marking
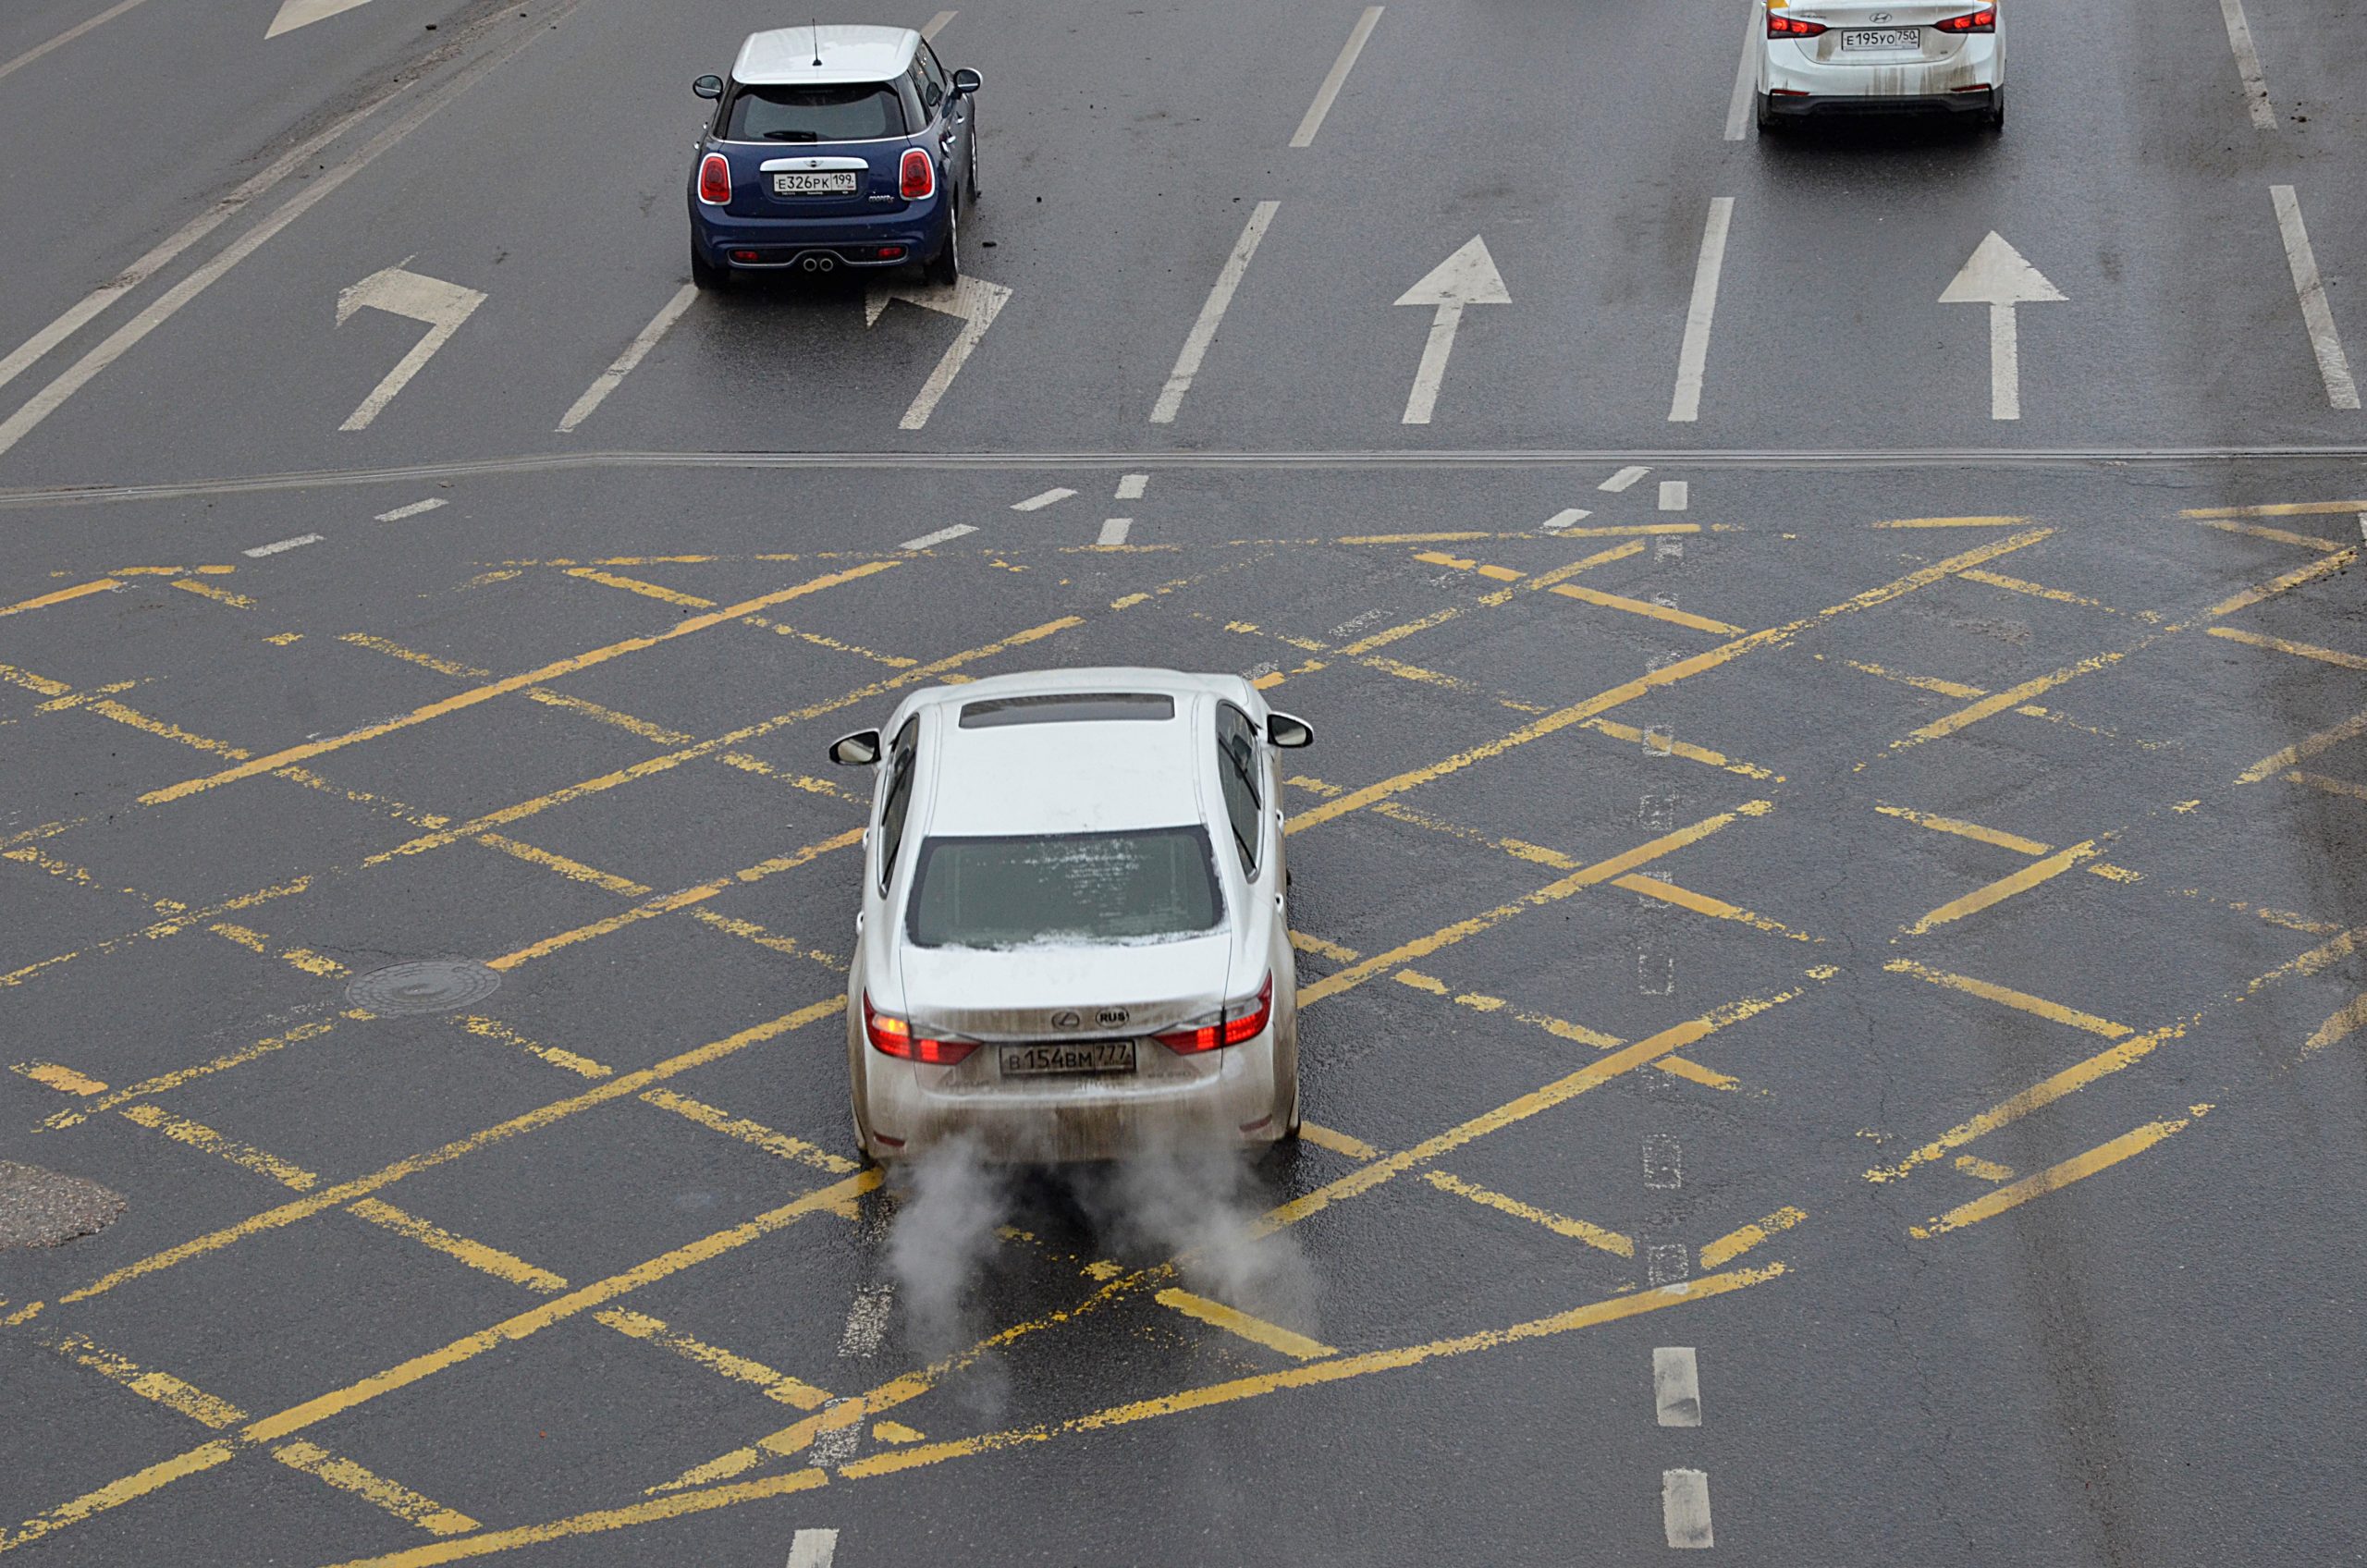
65	1080
754	1134
2055	1178
2298	650
1735	1243
773	1383
2004	887
1232	1320
2006	995
63	595
1954	522
1593	1235
2281	536
476	1255
2302	750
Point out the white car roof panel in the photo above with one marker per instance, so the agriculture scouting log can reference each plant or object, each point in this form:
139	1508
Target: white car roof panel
786	54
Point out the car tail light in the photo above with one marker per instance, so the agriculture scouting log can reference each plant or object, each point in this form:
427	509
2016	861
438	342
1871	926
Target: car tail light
1243	1019
1982	21
715	179
1780	26
894	1037
916	176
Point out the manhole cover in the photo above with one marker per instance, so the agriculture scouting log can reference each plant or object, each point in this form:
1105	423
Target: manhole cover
41	1208
435	985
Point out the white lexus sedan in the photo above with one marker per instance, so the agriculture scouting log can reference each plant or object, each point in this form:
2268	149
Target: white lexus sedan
1073	942
1822	58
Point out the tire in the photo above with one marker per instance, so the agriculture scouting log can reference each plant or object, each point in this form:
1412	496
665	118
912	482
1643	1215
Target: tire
1768	124
970	183
706	274
1997	110
945	267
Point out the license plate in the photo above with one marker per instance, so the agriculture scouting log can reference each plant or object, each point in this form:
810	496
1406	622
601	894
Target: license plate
1891	38
1079	1055
814	182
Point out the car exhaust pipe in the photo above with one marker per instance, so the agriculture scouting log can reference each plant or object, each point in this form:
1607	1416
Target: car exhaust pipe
811	263
825	263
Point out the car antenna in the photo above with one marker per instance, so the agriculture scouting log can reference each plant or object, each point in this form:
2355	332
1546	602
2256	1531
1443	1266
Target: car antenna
818	40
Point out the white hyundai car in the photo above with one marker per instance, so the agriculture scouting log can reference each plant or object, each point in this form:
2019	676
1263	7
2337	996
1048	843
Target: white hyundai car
1074	941
1820	57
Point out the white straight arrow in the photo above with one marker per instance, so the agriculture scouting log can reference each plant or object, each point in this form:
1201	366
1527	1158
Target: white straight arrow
443	306
972	300
1997	276
1467	277
293	14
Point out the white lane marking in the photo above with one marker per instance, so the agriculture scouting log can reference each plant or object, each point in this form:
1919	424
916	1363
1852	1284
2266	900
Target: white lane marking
276	545
973	301
1663	1160
867	1318
1038	503
1745	77
2334	366
1204	330
815	1549
1676	1386
412	510
1685	1508
938	24
2240	39
68	36
2363	526
50	398
1336	78
294	14
930	542
1676	494
443	306
1624	478
635	351
1693	358
1131	486
1998	276
1114	529
89	307
1563	520
1671	1263
1467	277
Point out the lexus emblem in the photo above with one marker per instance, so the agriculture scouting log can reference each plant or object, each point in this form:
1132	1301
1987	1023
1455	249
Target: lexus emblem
1110	1016
1068	1019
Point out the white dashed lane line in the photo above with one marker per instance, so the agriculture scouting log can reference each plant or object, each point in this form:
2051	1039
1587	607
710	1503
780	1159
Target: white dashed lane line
1676	494
1623	479
815	1549
1113	529
1038	503
1563	520
412	510
1131	487
276	545
942	536
1685	1508
1676	1386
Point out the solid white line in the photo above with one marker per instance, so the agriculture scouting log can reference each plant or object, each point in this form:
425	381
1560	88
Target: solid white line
1693	359
68	36
1304	135
50	398
1676	1386
1745	77
1204	330
1675	494
936	24
635	351
412	510
930	541
1624	478
815	1549
1563	520
1113	529
1038	503
86	309
1131	486
276	545
2240	39
1685	1508
1436	351
2334	367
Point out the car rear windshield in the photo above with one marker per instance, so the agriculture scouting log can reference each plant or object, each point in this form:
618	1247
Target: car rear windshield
1066	707
862	111
1063	888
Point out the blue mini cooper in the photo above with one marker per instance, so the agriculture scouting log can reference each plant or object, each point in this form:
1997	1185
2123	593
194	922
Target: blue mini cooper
833	147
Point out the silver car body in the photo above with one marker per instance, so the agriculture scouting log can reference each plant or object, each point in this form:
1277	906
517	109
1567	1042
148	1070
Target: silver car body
1075	996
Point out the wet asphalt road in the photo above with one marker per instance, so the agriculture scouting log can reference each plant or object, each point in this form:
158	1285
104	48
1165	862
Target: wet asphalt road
1827	927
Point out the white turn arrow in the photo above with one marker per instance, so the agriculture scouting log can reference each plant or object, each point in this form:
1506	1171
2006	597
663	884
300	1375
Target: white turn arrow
1998	277
1467	277
972	300
294	14
443	306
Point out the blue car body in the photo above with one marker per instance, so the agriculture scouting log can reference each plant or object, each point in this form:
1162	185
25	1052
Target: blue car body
913	101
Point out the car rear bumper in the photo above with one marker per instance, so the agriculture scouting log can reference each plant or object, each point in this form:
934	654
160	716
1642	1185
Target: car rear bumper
756	244
1066	1119
1792	83
1800	105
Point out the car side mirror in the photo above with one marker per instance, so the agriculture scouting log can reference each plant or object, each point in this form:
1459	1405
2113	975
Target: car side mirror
1288	732
858	749
967	80
708	87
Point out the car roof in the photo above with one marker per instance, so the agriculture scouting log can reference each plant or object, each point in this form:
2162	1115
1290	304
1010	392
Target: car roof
787	55
1085	775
